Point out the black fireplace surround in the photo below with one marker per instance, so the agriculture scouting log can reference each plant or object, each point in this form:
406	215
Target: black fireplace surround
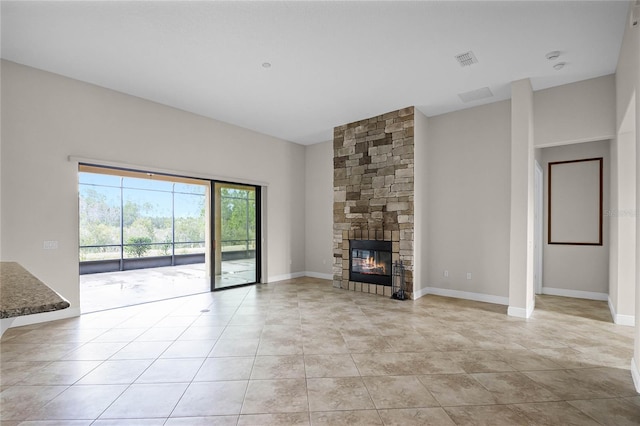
370	261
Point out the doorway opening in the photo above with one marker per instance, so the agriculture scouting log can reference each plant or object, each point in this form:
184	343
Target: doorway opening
147	236
575	251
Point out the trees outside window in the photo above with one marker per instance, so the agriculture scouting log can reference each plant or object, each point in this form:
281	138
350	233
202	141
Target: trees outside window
238	219
124	217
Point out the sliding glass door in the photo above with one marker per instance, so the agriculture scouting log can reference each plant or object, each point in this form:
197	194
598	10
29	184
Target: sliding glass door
148	236
236	234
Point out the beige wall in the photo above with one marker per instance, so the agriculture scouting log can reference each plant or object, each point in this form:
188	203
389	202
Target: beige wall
47	117
1	138
459	142
572	268
578	112
319	209
468	182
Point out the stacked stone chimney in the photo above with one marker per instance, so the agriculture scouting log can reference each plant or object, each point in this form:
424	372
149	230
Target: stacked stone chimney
373	194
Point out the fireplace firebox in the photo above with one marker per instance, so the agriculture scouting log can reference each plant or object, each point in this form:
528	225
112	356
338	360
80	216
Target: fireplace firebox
370	261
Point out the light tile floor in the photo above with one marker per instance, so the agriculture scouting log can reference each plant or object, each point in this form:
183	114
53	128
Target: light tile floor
300	352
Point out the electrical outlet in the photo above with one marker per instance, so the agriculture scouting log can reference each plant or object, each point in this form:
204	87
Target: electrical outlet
468	275
446	274
50	245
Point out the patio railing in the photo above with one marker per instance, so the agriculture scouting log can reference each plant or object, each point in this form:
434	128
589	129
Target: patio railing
113	257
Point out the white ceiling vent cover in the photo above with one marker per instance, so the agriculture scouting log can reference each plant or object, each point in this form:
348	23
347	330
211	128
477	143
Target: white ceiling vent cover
475	95
466	59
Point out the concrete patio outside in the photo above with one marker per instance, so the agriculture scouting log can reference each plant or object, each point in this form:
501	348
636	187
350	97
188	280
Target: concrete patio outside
117	289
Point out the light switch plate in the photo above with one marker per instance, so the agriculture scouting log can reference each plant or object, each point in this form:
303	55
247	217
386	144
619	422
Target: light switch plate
50	245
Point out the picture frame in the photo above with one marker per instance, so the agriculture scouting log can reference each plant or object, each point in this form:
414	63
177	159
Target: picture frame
575	202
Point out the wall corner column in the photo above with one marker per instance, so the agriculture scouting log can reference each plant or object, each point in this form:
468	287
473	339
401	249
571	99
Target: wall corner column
521	294
635	362
421	204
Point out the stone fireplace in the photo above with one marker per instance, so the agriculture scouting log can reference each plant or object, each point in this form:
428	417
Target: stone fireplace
373	199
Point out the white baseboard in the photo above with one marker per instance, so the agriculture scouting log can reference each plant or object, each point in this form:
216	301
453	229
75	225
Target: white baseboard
520	312
417	294
42	317
578	294
318	275
629	320
478	297
635	374
299	275
5	323
285	277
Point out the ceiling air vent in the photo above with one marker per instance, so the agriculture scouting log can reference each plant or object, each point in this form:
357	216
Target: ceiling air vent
475	95
466	59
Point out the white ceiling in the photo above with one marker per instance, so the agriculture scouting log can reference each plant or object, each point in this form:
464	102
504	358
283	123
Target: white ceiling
332	62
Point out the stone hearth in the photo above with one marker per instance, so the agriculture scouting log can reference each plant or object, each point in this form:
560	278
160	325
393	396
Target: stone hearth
373	192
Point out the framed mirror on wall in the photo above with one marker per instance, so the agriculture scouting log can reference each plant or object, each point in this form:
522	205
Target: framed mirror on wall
575	202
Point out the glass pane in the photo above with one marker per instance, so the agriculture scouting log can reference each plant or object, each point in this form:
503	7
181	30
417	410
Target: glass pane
235	193
190	189
190	248
371	262
236	235
190	220
146	220
234	220
157	185
251	226
98	179
99	211
99	253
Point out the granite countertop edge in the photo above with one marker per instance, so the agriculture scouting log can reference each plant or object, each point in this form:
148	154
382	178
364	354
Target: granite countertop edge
21	293
30	310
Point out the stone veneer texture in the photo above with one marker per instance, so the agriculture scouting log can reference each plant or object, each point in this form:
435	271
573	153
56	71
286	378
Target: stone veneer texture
373	190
